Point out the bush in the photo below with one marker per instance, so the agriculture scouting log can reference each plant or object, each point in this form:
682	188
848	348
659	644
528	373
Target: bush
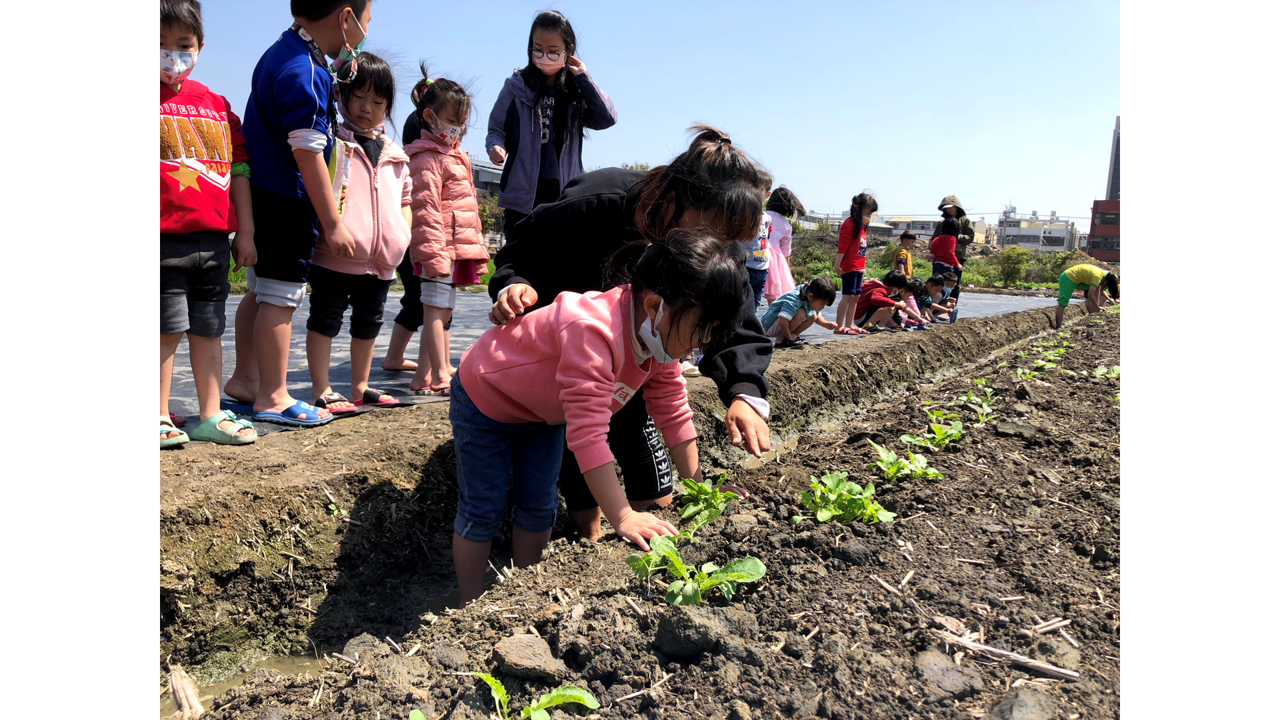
1012	263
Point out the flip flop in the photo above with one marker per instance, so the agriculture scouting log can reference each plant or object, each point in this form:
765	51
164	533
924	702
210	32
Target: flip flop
236	406
432	392
399	369
324	401
178	420
873	329
209	431
166	425
299	414
373	398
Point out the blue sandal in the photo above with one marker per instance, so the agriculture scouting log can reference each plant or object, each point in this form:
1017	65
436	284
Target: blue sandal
300	414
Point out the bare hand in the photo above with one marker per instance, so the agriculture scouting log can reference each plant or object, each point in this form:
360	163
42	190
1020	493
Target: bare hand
344	246
497	154
745	426
575	66
511	302
637	526
243	251
900	305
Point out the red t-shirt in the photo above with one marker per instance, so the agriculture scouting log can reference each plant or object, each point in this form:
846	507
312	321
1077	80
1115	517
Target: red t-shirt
875	294
943	248
199	139
854	258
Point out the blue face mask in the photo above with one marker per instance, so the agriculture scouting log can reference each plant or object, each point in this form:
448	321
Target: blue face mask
946	292
345	66
649	334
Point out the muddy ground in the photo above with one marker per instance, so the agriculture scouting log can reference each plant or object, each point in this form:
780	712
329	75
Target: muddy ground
255	561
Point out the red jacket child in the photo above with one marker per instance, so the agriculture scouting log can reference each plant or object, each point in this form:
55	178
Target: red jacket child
943	249
875	294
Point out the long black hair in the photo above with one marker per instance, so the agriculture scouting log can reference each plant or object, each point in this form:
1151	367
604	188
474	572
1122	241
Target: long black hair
555	22
785	203
1111	285
712	176
863	204
690	270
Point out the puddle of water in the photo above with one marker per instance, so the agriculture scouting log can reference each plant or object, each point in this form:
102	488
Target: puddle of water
772	455
286	665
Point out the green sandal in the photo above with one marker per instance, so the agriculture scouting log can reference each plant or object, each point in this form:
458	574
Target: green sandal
167	426
210	432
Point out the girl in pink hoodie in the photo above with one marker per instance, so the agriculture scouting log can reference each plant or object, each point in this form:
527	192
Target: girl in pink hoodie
371	185
448	246
559	373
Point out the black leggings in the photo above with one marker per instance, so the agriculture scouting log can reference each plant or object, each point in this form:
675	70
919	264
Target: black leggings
637	448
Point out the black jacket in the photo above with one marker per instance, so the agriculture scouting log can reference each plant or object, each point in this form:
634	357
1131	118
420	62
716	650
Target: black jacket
564	246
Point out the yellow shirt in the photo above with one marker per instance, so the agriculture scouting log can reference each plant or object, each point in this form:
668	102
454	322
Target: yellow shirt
903	254
1086	275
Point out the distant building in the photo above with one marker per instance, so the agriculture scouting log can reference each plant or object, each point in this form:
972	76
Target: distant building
1104	231
1034	233
924	228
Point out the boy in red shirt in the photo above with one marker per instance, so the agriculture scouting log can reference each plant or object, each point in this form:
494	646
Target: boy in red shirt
851	259
204	196
878	300
943	248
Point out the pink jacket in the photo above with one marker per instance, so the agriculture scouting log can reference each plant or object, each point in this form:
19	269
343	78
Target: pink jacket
575	362
446	218
371	209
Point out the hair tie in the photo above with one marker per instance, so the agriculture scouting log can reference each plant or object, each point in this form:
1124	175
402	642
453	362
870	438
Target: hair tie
724	140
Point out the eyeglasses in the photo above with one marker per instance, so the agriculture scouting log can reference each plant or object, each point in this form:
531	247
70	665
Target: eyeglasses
553	57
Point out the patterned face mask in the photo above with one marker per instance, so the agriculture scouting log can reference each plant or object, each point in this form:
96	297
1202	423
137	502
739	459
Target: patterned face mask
346	65
176	66
446	132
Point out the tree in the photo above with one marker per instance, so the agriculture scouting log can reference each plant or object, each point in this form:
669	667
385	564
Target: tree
1012	262
635	166
490	213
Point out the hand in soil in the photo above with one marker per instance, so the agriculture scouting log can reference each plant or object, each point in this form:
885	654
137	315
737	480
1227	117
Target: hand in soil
746	427
637	526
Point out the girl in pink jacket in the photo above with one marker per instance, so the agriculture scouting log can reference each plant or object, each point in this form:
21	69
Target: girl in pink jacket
559	373
448	246
371	185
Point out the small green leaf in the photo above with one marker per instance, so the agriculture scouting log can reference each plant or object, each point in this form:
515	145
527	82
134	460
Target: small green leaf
673	592
825	514
691	595
416	714
748	569
563	695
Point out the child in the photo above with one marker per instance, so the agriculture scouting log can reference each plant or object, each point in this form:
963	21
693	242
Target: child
911	316
851	259
757	251
879	300
561	372
204	196
288	130
794	312
781	207
900	258
943	248
372	183
448	244
1092	280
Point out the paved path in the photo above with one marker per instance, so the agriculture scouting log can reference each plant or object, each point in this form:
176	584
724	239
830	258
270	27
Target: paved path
470	319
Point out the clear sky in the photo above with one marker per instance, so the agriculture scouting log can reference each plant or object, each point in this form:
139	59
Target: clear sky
991	101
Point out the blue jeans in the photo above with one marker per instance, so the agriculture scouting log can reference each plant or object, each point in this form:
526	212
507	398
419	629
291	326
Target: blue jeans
487	453
757	279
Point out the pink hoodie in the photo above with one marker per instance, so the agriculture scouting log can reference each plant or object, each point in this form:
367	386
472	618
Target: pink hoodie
575	362
371	210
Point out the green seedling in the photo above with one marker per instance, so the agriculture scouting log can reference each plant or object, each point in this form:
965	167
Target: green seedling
704	501
1117	399
942	436
1102	371
538	710
337	510
1022	354
836	498
416	714
1025	374
985	413
981	382
890	465
1064	335
1065	371
1002	363
918	468
1044	365
939	416
689	588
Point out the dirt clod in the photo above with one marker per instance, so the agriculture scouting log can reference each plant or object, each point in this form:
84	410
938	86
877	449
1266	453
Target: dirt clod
687	632
1025	703
739	710
450	656
528	656
943	677
1016	429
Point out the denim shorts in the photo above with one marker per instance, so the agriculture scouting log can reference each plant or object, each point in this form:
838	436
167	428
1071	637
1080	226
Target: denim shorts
193	283
851	283
496	457
285	231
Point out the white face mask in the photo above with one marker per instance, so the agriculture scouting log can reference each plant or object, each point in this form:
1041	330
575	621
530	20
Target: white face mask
649	334
176	66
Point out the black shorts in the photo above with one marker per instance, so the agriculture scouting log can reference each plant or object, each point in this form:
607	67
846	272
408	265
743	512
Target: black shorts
193	283
637	448
410	315
285	231
332	292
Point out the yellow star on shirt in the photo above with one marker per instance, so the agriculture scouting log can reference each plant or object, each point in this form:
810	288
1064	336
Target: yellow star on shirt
186	177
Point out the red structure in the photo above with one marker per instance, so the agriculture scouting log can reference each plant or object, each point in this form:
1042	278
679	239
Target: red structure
1104	231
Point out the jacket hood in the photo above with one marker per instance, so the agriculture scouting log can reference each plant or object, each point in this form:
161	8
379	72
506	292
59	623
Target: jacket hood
518	87
389	148
427	143
952	200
